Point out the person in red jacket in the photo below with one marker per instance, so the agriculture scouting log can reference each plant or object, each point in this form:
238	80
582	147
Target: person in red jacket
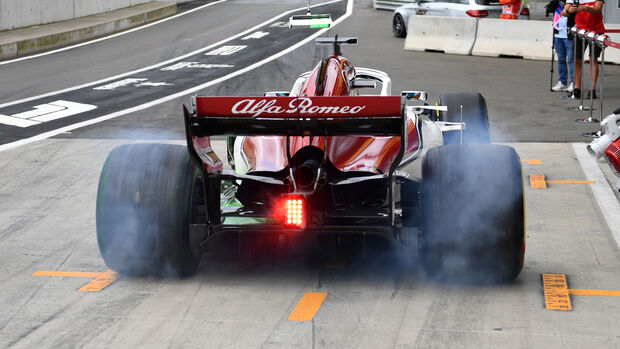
510	9
589	17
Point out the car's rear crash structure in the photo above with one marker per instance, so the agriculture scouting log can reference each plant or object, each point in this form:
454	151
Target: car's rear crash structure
321	161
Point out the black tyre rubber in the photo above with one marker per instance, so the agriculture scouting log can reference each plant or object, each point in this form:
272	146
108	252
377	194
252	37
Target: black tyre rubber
398	26
145	202
475	117
472	200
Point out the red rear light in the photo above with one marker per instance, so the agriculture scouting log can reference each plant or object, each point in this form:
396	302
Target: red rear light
613	154
525	11
477	13
294	211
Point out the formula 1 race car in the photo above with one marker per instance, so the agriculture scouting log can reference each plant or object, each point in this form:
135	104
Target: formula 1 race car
321	162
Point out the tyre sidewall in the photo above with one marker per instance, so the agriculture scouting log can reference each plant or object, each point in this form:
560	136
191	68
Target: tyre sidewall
473	229
475	116
143	210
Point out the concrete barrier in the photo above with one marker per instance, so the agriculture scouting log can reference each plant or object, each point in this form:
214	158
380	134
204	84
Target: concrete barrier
454	35
527	39
8	50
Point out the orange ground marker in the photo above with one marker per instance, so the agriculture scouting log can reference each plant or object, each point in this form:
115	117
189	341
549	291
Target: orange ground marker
556	292
532	161
101	282
594	292
538	182
70	274
574	182
101	279
308	306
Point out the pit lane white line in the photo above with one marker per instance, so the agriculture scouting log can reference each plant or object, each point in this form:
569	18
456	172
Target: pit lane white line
245	32
605	198
58	131
113	35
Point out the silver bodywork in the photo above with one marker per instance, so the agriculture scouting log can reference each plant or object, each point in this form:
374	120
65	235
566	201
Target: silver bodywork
444	8
391	4
448	8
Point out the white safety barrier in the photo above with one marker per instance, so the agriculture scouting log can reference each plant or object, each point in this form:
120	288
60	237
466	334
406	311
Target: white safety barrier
527	39
613	55
454	35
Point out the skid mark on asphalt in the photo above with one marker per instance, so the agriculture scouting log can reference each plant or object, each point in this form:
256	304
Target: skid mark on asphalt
539	182
101	281
308	306
557	293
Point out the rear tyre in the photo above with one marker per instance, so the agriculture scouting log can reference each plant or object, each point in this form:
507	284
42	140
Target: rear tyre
398	26
473	228
148	195
475	117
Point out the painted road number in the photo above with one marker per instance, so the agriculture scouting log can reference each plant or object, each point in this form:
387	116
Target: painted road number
225	50
256	35
182	65
45	112
135	82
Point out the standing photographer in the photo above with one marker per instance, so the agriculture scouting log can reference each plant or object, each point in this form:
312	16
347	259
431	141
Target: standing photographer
563	43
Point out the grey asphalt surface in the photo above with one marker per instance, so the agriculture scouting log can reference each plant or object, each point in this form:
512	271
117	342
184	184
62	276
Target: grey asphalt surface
47	216
161	81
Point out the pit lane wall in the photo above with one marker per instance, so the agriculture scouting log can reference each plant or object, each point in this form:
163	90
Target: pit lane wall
488	37
455	35
16	14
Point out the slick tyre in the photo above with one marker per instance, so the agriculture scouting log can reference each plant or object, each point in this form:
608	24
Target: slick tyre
398	26
147	197
475	117
472	201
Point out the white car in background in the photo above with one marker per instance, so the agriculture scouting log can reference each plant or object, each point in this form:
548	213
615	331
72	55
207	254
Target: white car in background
448	8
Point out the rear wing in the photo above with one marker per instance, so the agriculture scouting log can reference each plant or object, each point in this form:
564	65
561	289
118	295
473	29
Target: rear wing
296	116
291	116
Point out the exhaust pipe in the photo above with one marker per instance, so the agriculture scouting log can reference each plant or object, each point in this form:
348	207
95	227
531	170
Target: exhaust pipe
306	173
306	167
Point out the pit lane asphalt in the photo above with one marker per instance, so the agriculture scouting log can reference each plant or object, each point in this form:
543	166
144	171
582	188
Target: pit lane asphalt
48	192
